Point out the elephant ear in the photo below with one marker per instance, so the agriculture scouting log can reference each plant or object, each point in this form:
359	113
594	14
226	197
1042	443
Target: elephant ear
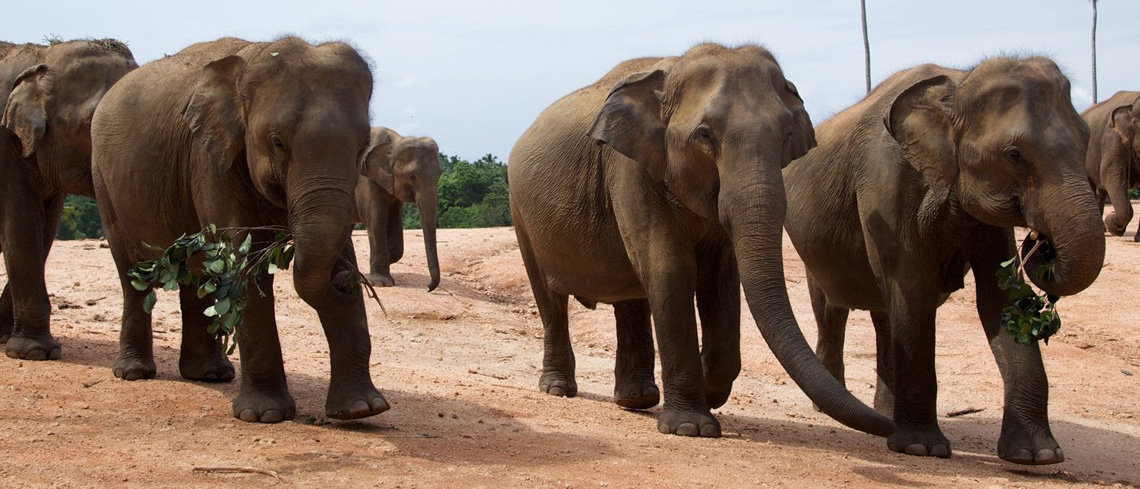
376	163
919	119
215	114
631	122
26	112
1122	122
802	138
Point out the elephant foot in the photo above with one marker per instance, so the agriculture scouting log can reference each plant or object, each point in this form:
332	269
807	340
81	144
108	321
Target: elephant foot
260	407
29	348
631	394
688	423
131	367
923	443
213	367
358	403
1111	227
381	279
5	332
1027	445
558	384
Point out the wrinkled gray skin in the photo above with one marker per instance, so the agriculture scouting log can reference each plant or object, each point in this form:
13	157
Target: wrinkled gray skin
396	170
922	180
1113	160
47	97
242	135
657	184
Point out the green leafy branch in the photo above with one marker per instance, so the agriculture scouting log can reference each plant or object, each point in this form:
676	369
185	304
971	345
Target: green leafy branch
1032	316
227	270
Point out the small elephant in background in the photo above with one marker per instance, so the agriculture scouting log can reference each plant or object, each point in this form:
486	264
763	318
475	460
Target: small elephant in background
921	181
1113	159
47	96
397	169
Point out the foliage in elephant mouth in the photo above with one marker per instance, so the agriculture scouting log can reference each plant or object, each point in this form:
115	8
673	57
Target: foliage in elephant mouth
227	270
1032	316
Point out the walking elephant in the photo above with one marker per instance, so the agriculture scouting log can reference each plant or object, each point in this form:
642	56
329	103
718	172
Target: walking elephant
921	181
657	184
242	135
1113	160
397	170
48	95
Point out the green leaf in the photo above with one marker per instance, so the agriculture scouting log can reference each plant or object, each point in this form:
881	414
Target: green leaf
1008	262
271	268
210	311
139	285
222	306
245	245
148	302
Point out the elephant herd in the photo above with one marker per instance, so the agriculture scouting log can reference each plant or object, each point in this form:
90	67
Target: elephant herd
670	180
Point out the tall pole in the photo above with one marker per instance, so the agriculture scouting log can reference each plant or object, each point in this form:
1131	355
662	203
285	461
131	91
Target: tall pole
867	45
1094	53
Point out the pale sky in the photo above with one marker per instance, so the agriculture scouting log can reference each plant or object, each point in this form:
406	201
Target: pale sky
473	74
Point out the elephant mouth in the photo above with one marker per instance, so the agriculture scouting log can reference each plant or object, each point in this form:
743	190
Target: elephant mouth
1037	252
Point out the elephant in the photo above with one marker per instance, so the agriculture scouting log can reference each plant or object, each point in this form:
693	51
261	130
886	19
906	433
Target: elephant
396	170
918	183
48	95
252	137
1113	160
657	184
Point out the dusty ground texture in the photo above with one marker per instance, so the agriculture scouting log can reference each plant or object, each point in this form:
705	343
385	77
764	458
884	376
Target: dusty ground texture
460	368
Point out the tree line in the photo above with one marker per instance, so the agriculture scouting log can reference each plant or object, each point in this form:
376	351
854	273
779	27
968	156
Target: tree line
472	194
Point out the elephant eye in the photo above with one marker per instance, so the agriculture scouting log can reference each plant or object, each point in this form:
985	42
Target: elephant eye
1015	155
277	142
704	133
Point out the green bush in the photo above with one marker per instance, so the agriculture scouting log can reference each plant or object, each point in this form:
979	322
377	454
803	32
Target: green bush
80	219
1134	193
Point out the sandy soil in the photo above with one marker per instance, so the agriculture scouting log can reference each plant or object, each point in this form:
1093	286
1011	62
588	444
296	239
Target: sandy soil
460	368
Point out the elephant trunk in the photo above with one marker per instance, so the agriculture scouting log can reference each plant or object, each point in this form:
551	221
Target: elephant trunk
752	209
321	222
1072	225
428	218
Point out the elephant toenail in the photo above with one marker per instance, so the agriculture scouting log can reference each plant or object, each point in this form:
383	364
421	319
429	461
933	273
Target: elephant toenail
940	451
687	429
916	449
710	431
248	416
272	416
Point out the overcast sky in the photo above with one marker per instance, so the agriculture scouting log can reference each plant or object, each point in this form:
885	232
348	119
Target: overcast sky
473	74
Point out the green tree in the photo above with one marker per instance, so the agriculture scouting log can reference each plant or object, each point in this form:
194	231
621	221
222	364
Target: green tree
471	194
80	219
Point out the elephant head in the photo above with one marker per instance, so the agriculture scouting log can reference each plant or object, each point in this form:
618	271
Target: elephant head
408	169
51	104
1006	144
291	119
715	127
1123	122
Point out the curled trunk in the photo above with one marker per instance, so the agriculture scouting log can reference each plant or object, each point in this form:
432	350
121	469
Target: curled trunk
1073	227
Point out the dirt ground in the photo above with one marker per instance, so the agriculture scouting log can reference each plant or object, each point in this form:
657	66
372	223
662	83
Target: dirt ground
460	368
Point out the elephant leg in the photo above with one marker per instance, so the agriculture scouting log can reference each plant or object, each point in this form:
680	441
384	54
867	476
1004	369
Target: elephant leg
718	305
910	373
201	357
351	392
557	377
7	318
264	394
1025	434
136	342
686	409
884	372
378	260
1116	184
25	245
831	324
635	387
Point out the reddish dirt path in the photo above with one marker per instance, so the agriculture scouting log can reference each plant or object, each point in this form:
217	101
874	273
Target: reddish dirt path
460	368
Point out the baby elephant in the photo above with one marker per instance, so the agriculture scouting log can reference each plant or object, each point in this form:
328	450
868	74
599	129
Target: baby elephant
397	169
1113	160
921	181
